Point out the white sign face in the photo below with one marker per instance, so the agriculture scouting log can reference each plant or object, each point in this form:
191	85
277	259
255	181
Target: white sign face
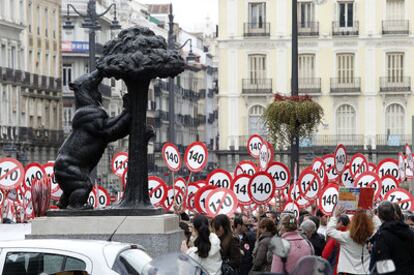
203	199
261	188
346	178
309	184
358	165
120	163
410	159
157	190
369	179
180	183
104	198
328	199
92	201
280	174
402	197
192	189
264	156
219	178
11	173
48	168
171	157
388	183
295	195
318	166
388	167
401	167
254	144
34	171
240	187
1	198
173	192
292	207
221	201
330	169
372	167
340	158
56	194
196	156
245	167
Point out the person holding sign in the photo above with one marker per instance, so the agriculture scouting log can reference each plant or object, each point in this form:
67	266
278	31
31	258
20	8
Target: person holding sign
353	255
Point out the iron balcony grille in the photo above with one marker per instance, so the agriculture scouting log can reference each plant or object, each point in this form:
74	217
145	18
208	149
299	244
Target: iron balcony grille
393	140
395	27
308	28
332	140
310	85
350	28
351	85
257	86
395	84
257	29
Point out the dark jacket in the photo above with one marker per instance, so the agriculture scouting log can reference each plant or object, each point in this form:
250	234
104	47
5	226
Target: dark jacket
260	261
247	243
318	242
394	240
232	253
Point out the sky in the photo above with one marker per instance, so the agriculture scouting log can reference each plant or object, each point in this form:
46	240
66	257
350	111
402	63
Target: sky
191	14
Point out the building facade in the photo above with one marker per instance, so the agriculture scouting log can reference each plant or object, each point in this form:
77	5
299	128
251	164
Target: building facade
30	84
354	60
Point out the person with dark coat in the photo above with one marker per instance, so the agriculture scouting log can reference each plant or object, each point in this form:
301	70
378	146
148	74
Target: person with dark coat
393	241
247	241
308	228
261	261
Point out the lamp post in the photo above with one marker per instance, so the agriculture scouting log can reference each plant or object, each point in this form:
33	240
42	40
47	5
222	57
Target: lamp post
294	143
91	23
171	95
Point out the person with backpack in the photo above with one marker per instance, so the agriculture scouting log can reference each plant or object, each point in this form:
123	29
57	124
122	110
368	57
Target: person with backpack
331	250
230	245
267	229
297	248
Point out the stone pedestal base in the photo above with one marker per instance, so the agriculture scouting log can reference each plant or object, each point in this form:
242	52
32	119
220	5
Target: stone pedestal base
158	234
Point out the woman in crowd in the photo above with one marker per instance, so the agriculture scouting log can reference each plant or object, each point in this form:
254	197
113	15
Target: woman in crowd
353	254
266	230
230	246
299	247
206	249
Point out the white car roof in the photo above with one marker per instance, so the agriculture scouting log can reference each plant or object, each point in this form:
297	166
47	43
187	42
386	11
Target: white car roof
91	248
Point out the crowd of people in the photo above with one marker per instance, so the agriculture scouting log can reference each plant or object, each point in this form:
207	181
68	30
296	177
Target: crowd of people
270	241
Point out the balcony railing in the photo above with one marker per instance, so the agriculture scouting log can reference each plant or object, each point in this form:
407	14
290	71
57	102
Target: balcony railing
311	85
308	28
332	140
31	135
350	85
257	86
395	27
393	140
257	29
395	84
339	29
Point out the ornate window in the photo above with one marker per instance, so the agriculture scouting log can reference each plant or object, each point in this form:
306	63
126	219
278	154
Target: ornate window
256	123
394	120
345	121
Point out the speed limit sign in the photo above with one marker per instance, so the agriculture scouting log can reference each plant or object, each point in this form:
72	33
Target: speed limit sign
245	167
318	166
388	166
11	173
171	157
292	207
328	199
219	178
196	156
369	180
346	178
358	165
309	184
173	192
103	197
200	198
280	174
124	178
254	144
240	186
192	190
157	190
34	171
402	197
180	183
92	200
48	168
261	188
331	172
340	158
221	201
120	163
388	183
1	198
295	195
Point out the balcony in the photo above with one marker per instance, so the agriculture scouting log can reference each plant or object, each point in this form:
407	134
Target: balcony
339	29
393	140
395	84
308	28
396	27
311	85
347	86
332	140
256	29
257	86
38	137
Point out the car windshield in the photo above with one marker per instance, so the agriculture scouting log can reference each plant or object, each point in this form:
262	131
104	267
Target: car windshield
131	262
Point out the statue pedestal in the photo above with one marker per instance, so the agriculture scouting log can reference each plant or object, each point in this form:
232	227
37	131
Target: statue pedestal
158	234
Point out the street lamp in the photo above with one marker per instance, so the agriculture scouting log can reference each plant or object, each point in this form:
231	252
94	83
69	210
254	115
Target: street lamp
91	23
190	59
